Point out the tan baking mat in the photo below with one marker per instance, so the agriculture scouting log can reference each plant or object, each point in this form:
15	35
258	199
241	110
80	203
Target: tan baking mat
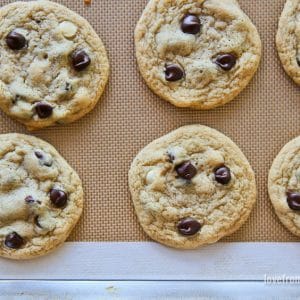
101	145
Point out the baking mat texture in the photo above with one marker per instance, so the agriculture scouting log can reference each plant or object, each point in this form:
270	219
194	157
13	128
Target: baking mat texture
102	145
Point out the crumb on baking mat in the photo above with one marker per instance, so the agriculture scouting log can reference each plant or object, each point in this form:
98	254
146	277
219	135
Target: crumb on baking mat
87	2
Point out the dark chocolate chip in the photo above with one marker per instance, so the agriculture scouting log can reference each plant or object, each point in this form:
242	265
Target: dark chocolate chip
293	200
43	110
173	72
15	40
14	241
186	170
29	199
226	61
188	226
298	61
190	24
80	60
223	175
58	197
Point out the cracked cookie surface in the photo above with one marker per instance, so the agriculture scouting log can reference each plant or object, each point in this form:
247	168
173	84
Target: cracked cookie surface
191	187
196	53
41	197
54	66
284	185
288	39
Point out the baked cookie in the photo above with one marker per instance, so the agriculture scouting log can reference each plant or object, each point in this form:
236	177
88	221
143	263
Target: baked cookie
54	66
288	39
191	187
284	185
41	197
196	53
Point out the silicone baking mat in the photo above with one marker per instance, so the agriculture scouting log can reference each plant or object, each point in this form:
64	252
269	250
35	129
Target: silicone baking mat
102	145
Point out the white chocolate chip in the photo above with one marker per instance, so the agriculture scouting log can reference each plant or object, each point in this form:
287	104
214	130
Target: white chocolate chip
68	29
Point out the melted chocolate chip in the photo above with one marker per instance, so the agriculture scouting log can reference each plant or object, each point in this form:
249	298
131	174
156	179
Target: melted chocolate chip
36	221
43	110
223	175
14	241
58	198
226	61
68	86
80	60
39	154
29	199
190	24
173	72
43	161
15	40
171	157
293	200
47	163
186	170
16	99
188	226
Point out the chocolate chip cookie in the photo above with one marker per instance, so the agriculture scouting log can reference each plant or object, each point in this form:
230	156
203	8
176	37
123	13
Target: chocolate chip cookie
41	197
54	66
288	39
196	53
191	187
284	185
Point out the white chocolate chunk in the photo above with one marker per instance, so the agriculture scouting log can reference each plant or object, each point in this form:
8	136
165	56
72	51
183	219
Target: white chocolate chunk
68	29
178	153
61	49
18	87
152	175
213	158
13	206
155	180
37	72
23	109
203	184
47	221
171	39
